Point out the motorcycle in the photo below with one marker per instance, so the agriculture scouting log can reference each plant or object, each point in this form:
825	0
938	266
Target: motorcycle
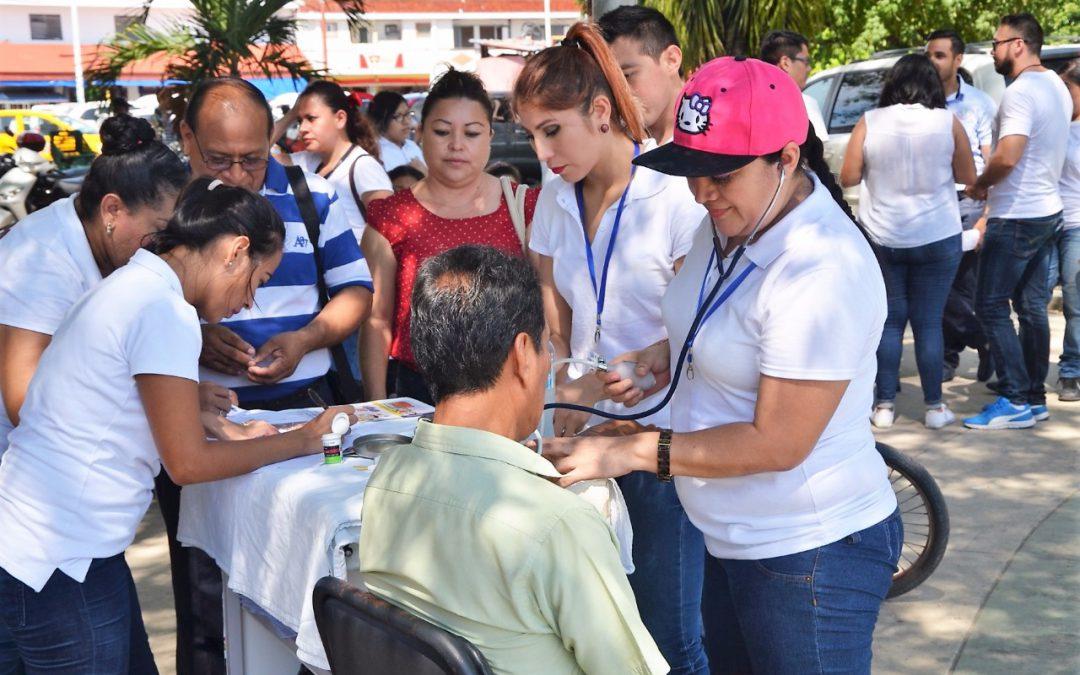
31	182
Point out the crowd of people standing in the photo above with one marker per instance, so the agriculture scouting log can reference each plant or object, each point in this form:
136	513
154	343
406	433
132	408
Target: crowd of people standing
690	226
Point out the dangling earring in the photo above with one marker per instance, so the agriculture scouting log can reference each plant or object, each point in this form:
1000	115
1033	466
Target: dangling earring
604	128
109	228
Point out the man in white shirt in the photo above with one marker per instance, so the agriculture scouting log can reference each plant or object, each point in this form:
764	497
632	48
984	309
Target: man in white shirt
647	49
790	52
1025	214
976	111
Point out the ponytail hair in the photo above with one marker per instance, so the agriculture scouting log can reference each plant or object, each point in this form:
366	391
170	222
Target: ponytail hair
576	72
357	127
133	165
208	209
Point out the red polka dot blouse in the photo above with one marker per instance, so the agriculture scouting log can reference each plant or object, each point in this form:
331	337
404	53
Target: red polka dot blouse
416	234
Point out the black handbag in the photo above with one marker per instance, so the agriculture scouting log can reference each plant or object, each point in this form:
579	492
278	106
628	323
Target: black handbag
344	387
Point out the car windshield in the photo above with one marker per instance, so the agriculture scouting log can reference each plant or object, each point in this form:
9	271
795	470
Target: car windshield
859	91
85	126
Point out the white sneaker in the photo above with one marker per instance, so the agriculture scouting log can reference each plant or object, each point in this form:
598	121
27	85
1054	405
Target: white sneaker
883	415
939	417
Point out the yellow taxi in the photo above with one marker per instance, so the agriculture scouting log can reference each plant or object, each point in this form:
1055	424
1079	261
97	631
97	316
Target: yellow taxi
62	134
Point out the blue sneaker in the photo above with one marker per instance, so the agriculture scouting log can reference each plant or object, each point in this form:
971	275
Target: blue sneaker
1040	413
1002	414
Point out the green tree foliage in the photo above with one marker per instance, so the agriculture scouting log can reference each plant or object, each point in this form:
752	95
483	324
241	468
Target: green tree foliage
857	28
847	30
220	37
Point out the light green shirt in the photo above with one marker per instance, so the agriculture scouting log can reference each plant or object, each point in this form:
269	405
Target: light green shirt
462	529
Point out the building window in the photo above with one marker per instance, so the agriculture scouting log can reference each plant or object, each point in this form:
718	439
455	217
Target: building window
124	21
45	27
464	35
392	31
359	34
331	27
494	32
423	30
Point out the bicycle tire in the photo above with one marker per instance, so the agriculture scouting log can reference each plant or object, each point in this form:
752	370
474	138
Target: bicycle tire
928	555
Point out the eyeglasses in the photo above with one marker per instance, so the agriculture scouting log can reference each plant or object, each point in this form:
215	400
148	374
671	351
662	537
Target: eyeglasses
805	60
994	43
222	163
404	117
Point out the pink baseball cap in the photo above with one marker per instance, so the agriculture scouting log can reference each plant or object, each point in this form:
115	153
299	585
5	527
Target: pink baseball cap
731	111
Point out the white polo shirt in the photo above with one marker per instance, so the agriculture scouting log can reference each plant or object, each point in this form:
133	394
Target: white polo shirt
657	226
46	266
78	475
812	309
1036	105
358	169
394	155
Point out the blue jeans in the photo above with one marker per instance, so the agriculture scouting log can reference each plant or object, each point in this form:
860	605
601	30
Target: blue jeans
809	612
1065	266
669	556
92	628
1014	264
917	284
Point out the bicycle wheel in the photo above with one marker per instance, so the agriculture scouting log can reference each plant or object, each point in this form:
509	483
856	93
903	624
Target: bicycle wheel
925	516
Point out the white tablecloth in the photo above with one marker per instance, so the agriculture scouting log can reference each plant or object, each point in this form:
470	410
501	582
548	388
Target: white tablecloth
277	531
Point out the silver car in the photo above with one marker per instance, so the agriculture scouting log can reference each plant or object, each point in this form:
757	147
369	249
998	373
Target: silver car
846	92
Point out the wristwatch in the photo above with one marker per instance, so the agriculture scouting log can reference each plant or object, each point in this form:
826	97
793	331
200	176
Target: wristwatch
663	456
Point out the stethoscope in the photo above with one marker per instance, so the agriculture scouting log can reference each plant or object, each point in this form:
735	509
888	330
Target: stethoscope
704	311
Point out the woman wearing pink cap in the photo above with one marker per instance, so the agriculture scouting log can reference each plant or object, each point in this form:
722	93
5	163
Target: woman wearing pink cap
774	321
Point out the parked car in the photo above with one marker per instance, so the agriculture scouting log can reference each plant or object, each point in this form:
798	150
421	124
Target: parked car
846	92
68	140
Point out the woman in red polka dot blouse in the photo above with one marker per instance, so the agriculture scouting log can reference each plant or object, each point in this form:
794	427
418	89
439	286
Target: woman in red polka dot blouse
457	203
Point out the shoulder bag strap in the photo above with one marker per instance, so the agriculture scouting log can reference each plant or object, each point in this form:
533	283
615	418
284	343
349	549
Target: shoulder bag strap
515	203
349	391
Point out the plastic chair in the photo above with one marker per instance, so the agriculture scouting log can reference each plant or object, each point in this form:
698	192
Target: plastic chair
365	635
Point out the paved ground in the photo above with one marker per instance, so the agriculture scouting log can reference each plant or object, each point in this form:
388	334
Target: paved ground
1004	600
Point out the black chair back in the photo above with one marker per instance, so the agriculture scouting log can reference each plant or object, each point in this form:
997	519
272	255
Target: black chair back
365	635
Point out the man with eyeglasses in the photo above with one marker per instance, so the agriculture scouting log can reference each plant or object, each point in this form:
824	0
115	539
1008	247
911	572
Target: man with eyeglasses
1020	184
274	351
790	52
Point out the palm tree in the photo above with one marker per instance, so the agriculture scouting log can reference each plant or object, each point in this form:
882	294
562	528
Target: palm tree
711	28
221	37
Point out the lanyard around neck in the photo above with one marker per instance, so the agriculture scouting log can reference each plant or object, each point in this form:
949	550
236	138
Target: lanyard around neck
713	258
601	291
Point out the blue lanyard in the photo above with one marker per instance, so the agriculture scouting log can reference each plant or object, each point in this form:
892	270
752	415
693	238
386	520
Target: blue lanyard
601	292
716	303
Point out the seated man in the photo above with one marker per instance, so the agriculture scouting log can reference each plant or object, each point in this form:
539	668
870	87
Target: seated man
463	527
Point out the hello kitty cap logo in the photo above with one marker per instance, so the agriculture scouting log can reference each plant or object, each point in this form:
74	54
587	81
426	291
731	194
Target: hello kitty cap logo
731	111
693	114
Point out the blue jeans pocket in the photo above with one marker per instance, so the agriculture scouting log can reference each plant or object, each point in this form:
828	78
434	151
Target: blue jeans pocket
797	568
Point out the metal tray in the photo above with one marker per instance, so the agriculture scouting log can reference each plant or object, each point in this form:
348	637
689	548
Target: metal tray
373	445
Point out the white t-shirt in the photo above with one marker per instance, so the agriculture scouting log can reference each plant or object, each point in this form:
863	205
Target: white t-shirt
47	265
1036	105
1070	178
907	197
813	111
394	155
813	309
658	223
368	175
78	475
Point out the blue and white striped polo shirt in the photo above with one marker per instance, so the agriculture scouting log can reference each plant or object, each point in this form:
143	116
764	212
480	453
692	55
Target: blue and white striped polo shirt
290	298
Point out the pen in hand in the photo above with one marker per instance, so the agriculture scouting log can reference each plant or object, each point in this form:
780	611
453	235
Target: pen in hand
316	399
